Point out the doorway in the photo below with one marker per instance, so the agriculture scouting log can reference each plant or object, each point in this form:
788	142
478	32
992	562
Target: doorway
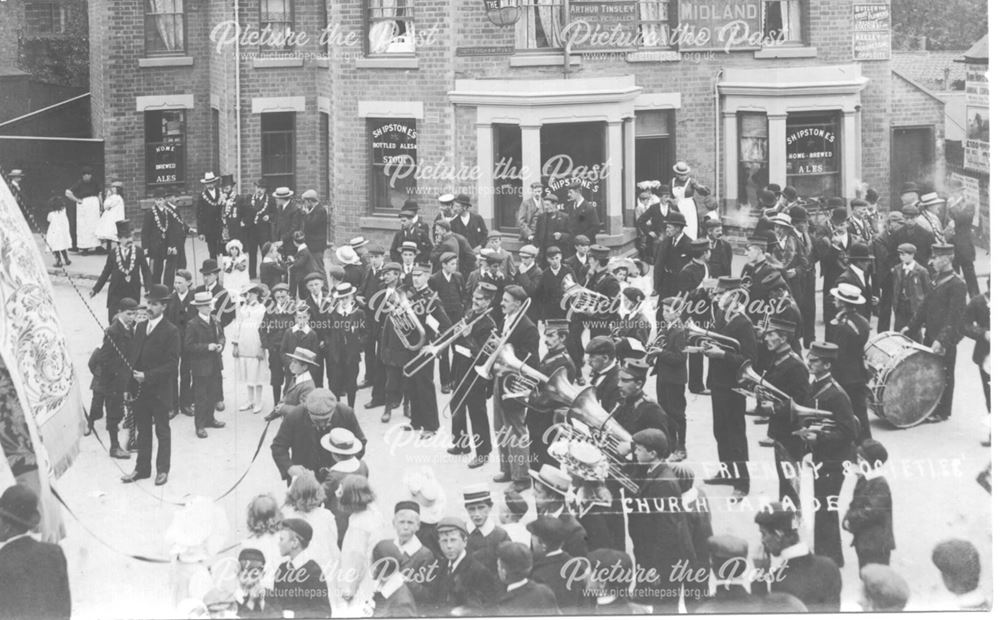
912	159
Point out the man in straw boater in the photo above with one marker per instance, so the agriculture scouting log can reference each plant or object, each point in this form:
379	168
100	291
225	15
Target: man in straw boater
115	371
209	214
285	221
125	273
849	331
858	273
300	362
485	536
154	356
204	341
345	338
34	581
941	317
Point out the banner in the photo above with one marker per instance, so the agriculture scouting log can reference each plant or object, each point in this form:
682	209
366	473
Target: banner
41	400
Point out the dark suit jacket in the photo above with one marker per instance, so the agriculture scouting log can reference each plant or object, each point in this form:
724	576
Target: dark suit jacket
530	599
118	286
836	445
484	548
920	237
258	215
33	581
909	289
475	232
471	586
180	312
849	331
297	440
345	337
869	517
670	259
450	292
976	324
314	227
419	235
720	259
301	590
942	312
547	570
607	388
865	284
813	579
222	307
549	294
400	604
157	355
546	227
724	372
114	357
577	267
285	222
303	265
660	538
197	337
209	214
671	363
583	220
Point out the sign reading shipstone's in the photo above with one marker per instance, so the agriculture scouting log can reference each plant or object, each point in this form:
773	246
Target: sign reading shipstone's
394	146
872	32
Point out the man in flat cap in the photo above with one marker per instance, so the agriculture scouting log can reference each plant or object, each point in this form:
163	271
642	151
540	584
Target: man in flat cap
960	569
411	230
814	579
941	315
303	265
524	596
528	276
462	586
671	255
581	213
528	212
551	227
882	589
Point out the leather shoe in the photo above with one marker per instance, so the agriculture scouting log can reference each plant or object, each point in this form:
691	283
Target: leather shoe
274	415
478	461
117	453
201	433
188	411
720	479
519	485
386	415
766	443
216	424
501	478
90	429
161	479
127	478
457	450
372	404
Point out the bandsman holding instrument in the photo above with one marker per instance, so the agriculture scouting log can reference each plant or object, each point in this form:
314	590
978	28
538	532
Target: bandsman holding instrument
728	407
758	267
781	305
849	331
604	370
541	417
426	307
633	323
600	315
941	317
698	307
390	310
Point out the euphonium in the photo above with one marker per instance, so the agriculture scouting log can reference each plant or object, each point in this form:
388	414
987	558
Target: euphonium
406	324
518	377
583	300
699	337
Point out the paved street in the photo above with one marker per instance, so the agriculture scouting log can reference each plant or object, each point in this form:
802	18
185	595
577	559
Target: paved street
934	488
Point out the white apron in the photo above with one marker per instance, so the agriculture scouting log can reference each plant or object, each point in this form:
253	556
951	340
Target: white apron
114	212
88	214
687	208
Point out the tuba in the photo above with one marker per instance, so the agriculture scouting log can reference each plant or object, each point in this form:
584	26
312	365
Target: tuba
406	323
702	338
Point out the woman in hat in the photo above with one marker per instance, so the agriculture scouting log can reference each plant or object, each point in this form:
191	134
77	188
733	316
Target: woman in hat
251	363
57	235
683	189
236	267
113	211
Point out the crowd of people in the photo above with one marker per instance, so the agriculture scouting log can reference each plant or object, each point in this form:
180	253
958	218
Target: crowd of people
604	515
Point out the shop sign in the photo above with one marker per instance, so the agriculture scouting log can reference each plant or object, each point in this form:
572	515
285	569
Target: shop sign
164	163
723	25
872	32
977	87
977	139
811	150
603	24
394	146
486	50
969	186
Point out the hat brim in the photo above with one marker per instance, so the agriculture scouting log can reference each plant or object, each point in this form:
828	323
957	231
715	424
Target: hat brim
36	518
292	356
332	449
788	224
345	293
202	303
854	302
203	271
207	181
538	478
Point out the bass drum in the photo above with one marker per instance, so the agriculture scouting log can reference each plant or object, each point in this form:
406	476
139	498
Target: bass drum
906	379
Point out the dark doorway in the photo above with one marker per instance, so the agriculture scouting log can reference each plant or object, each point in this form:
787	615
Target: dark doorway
912	157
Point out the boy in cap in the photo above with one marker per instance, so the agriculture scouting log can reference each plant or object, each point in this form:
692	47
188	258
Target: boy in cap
410	229
125	272
204	342
299	586
494	243
523	595
849	331
551	227
463	586
882	589
528	276
345	337
941	317
278	318
910	283
869	516
115	372
415	559
785	565
485	536
958	562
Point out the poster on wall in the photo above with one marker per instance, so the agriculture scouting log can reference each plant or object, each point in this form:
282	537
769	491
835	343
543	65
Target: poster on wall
969	188
977	139
872	32
720	25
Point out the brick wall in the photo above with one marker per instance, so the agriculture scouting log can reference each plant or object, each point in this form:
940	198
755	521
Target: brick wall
11	23
912	106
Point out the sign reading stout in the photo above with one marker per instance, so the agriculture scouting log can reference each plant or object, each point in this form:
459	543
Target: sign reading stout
164	163
872	32
394	146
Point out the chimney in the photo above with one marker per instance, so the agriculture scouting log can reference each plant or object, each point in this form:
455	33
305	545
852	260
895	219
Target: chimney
922	43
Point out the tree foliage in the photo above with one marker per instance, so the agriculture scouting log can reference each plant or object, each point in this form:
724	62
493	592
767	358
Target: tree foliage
947	24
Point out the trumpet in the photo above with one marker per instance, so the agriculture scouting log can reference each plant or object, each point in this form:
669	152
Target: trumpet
804	417
702	338
406	323
445	340
583	300
757	387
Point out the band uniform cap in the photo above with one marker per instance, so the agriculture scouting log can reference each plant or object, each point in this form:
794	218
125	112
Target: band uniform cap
158	292
780	325
552	478
127	303
301	528
727	547
633	294
202	298
884	587
494	234
600	251
19	505
123	228
601	345
635	368
697	246
873	451
894	216
824	350
676	218
448	524
790	193
346	255
515	556
782	219
528	250
303	355
488	287
446	199
208	177
911	210
420	268
448	256
653	439
553	250
759	242
602	561
210	265
376	250
464	200
476	494
515	503
556	325
955	556
907	248
280	286
344	289
493	257
798	213
942	249
775	516
17	172
772	281
406	504
581	240
767	198
859	251
315	275
340	441
728	283
838	216
408	246
931	198
681	167
909	188
848	293
283	192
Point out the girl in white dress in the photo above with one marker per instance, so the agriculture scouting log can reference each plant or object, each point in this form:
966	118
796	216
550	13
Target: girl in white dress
364	529
236	268
57	235
305	501
251	362
112	212
264	522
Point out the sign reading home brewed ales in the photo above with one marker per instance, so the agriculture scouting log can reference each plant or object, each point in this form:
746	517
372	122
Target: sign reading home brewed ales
872	32
164	163
811	149
394	146
726	25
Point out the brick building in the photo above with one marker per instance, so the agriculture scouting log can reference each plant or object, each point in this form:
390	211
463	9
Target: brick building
422	97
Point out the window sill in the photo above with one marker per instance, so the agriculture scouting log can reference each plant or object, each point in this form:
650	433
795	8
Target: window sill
786	52
542	60
653	56
276	63
387	62
380	222
322	63
166	61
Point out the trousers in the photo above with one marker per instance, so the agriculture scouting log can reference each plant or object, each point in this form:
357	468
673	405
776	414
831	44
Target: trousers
203	390
471	412
512	436
730	429
342	377
150	415
393	385
423	400
827	535
858	393
696	373
674	402
943	409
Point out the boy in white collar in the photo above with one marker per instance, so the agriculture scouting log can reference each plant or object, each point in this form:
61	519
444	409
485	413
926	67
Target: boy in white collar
484	535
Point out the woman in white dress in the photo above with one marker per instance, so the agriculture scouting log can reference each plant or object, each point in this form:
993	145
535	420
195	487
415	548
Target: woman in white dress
364	529
264	522
305	501
112	213
236	268
251	361
57	235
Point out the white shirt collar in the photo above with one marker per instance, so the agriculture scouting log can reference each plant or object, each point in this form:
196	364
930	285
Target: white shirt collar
465	217
606	599
300	560
798	550
582	258
859	271
486	529
606	370
302	330
457	561
517	584
872	473
306	376
552	554
393	583
152	323
447	276
411	546
908	267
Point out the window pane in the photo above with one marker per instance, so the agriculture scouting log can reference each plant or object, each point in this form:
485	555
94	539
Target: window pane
813	153
393	162
507	184
783	18
753	167
277	140
576	150
540	25
390	27
653	122
165	133
164	26
655	150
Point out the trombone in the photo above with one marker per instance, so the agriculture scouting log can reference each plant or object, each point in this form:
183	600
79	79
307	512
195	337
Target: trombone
445	340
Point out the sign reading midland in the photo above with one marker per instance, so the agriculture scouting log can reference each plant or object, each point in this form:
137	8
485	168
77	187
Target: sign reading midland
677	25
